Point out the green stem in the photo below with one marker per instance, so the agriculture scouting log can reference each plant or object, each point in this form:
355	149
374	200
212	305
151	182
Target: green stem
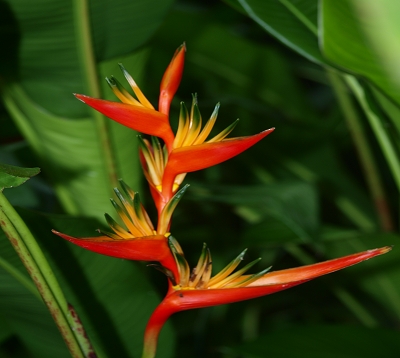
378	128
38	268
89	66
368	164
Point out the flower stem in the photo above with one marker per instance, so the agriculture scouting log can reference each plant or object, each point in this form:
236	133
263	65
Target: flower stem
38	268
89	66
371	172
153	329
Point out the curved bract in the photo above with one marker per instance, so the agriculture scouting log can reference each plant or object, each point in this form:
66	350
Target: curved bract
166	158
185	298
139	118
147	248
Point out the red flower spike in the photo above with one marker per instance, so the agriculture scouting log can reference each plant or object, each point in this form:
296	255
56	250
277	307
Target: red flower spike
201	156
184	298
171	80
147	248
139	118
136	239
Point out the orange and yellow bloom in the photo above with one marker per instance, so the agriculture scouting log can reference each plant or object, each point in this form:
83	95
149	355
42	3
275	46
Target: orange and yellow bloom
186	151
165	166
198	289
138	240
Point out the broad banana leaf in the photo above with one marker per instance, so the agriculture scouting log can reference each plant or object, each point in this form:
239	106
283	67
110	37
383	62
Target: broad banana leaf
64	47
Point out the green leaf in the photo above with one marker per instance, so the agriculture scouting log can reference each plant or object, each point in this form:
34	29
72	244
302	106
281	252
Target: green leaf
380	24
377	121
345	41
316	341
11	176
272	83
50	69
112	297
82	152
291	22
294	204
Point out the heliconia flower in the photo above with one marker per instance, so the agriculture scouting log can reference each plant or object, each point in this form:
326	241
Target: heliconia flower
171	79
192	151
141	119
138	113
190	140
198	289
138	240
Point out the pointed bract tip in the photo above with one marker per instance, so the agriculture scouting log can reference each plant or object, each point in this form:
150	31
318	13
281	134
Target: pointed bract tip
81	97
64	236
383	250
180	48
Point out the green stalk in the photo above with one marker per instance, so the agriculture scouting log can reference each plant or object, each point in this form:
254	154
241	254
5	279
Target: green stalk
38	268
368	164
89	69
378	128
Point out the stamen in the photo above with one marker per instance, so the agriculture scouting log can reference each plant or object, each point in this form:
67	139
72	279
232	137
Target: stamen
141	97
224	133
168	210
146	150
128	190
198	271
228	268
183	266
143	221
243	282
205	278
117	228
194	123
158	155
132	221
208	127
121	92
183	127
232	277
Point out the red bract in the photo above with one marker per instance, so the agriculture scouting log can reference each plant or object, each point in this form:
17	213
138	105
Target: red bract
165	166
201	156
188	150
171	80
184	298
147	248
137	239
139	118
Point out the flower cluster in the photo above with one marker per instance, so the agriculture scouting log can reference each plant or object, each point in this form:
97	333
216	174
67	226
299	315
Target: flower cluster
165	164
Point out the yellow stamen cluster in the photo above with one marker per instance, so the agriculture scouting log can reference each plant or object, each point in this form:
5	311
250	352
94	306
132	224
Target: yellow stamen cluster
156	157
200	277
123	95
189	128
133	215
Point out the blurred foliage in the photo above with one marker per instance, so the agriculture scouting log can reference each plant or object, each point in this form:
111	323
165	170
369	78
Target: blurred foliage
324	184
